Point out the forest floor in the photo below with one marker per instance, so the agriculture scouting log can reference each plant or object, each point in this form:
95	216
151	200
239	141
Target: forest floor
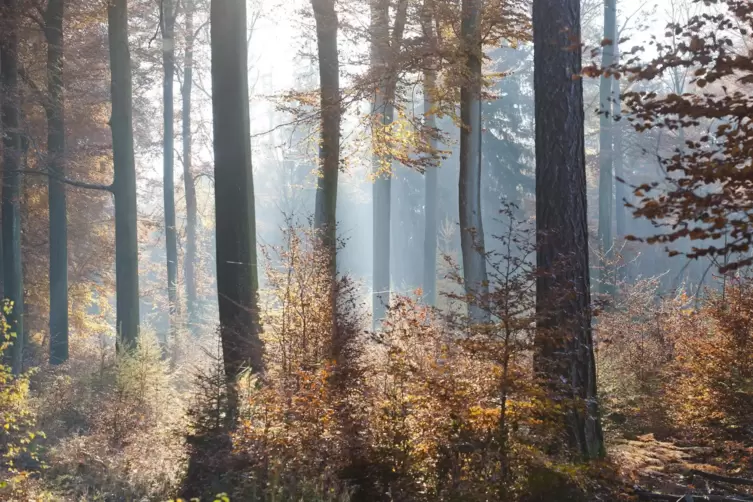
709	470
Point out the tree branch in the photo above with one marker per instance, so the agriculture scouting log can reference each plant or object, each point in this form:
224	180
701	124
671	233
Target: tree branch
724	479
67	181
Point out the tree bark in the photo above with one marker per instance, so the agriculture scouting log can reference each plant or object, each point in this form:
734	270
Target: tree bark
168	154
606	154
124	182
431	176
11	191
237	279
188	181
471	224
56	189
564	355
325	216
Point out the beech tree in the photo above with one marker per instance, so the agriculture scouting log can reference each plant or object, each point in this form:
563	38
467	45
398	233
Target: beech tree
124	181
11	191
237	279
564	355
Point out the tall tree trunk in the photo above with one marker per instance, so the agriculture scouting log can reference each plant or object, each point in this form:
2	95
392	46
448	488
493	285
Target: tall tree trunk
606	157
471	225
56	189
431	176
383	109
237	279
188	181
168	153
563	343
620	192
11	191
124	183
325	217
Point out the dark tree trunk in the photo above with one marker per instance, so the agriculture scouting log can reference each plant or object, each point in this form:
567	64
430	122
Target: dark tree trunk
325	217
11	191
471	225
188	181
124	183
564	349
171	235
606	153
237	279
56	189
431	176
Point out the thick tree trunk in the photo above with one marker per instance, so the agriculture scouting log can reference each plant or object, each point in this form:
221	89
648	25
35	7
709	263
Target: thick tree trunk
325	217
471	225
237	279
563	343
56	189
11	191
168	153
431	176
606	156
124	183
188	181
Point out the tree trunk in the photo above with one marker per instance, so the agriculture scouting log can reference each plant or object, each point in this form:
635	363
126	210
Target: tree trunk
471	225
56	189
124	182
325	218
237	279
431	176
171	236
188	181
383	109
11	191
606	158
563	342
620	192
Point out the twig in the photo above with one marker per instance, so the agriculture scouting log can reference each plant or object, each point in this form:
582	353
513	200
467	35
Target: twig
679	498
725	479
67	181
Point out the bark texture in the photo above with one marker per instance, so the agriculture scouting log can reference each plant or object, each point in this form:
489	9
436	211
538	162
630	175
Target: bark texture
168	155
56	188
124	183
563	343
606	151
237	279
11	191
325	217
188	181
471	225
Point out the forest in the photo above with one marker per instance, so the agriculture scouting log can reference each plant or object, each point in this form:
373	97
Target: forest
376	250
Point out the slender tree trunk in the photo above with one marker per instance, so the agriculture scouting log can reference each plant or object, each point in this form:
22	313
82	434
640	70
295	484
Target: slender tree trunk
325	217
188	181
620	192
471	225
237	279
11	191
124	183
168	153
564	355
606	156
56	189
431	176
383	109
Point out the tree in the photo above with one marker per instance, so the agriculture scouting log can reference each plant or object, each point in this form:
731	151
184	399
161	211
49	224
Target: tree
56	189
325	217
11	191
617	154
606	148
237	276
563	341
168	14
705	198
471	225
124	182
188	180
383	53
